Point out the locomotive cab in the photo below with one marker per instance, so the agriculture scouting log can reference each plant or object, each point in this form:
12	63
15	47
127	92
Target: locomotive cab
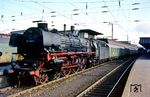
15	39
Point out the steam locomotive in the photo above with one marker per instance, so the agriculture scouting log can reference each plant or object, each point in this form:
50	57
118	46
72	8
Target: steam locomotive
48	55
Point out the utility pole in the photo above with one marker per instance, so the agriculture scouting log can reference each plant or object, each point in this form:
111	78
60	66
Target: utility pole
127	38
112	29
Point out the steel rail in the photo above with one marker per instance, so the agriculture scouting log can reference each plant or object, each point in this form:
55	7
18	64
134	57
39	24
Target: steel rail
101	80
120	79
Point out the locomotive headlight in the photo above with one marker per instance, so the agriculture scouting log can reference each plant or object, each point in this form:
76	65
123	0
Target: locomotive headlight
25	64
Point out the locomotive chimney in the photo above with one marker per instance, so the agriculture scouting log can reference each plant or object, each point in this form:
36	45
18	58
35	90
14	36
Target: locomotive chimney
72	28
65	28
43	26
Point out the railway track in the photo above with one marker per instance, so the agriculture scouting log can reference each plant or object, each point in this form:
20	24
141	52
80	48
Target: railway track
111	85
28	91
15	91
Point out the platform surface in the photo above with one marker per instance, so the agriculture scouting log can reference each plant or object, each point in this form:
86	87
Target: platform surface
138	83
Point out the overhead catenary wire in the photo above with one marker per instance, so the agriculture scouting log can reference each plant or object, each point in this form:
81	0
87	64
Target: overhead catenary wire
83	9
86	10
52	10
87	15
113	16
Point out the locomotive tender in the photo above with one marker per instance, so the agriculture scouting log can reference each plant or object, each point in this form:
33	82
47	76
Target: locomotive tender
51	54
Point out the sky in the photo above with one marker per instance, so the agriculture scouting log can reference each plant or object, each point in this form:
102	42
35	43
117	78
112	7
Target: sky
130	18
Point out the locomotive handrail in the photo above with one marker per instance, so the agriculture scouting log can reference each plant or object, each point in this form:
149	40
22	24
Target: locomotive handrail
72	53
46	50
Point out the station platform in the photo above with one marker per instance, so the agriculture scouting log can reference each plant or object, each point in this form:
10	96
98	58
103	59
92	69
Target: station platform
138	83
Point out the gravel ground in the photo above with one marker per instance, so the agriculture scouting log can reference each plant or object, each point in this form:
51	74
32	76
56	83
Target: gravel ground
74	85
12	91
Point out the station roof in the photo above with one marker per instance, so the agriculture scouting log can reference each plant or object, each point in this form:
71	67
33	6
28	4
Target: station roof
145	42
4	35
121	44
91	32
